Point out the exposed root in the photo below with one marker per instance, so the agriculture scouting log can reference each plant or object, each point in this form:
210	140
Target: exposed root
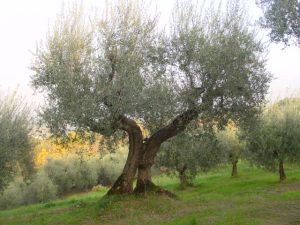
148	187
120	187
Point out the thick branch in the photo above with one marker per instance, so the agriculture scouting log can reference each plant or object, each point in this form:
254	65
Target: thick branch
174	128
152	145
126	124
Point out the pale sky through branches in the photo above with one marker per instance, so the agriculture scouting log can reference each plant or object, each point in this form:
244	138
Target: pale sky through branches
25	23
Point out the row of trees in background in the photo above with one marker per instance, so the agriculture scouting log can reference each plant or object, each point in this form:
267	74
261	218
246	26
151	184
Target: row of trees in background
272	140
60	177
200	150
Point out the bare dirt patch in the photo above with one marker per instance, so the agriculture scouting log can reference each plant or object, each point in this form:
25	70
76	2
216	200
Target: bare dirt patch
286	187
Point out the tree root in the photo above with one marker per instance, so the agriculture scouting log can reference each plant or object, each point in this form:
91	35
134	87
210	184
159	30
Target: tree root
120	187
148	187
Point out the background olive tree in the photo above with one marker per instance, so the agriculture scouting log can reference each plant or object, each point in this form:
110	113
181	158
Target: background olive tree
276	138
231	145
282	18
16	151
107	74
189	153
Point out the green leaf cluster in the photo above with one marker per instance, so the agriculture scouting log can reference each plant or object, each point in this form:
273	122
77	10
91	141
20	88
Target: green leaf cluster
16	152
276	137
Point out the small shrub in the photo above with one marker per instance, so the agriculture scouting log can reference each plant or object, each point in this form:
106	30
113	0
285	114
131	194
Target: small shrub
59	174
84	176
110	168
71	174
13	195
41	189
18	193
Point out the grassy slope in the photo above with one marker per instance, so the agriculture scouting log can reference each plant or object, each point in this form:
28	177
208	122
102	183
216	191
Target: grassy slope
255	197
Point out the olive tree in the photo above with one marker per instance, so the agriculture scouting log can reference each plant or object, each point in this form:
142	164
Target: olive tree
106	75
282	17
16	152
231	145
189	153
276	138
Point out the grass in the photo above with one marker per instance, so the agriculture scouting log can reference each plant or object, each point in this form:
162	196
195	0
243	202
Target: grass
255	197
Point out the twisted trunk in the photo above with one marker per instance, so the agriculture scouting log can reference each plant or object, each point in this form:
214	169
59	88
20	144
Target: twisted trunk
142	154
124	183
151	147
281	171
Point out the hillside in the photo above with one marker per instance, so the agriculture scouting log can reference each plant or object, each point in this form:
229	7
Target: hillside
254	197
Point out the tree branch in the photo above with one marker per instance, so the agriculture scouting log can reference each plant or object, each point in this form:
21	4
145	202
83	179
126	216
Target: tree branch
171	130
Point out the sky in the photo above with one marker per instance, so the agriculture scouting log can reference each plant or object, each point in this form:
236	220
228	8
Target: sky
23	24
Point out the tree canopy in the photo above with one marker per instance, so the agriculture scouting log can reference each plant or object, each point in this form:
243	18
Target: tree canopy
231	144
276	139
16	152
282	17
107	74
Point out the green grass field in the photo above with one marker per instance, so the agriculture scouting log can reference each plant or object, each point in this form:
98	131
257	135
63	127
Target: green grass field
255	197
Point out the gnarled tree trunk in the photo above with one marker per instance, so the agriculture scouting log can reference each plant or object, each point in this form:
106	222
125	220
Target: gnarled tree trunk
281	171
234	171
142	154
124	183
151	147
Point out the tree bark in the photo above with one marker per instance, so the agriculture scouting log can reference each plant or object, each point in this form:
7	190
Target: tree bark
234	171
124	183
151	147
144	183
183	177
281	171
142	154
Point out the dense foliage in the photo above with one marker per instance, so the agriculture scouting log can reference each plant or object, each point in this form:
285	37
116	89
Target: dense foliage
231	145
200	149
16	152
60	177
282	17
276	138
189	153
